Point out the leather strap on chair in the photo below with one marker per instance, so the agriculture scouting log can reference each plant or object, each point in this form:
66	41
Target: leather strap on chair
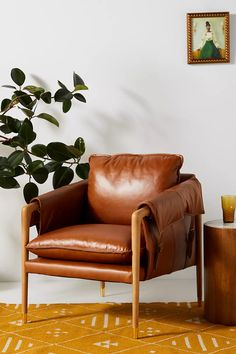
169	225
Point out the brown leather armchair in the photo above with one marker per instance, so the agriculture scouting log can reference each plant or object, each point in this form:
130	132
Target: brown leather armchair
135	218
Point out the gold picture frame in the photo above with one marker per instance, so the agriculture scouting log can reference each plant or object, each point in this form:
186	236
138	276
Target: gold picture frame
208	37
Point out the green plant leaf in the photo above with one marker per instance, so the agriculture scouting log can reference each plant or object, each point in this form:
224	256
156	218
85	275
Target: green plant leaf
34	166
30	191
5	104
5	129
9	86
19	171
49	118
40	175
3	161
62	85
27	158
46	97
52	166
3	118
24	99
82	170
77	80
37	94
32	104
62	94
7	172
62	176
15	158
80	97
39	150
80	145
27	112
18	76
17	141
12	123
26	132
34	89
5	169
59	151
66	105
80	87
8	183
74	151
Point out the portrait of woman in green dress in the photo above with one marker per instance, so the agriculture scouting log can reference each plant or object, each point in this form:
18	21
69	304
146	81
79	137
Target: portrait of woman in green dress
209	47
208	37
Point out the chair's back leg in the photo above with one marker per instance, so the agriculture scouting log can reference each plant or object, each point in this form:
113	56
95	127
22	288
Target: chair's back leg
198	224
102	288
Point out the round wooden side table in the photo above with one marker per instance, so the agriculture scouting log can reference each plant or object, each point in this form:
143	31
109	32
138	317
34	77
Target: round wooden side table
220	272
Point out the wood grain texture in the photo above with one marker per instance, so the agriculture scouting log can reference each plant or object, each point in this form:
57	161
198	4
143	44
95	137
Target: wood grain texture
220	274
26	215
137	218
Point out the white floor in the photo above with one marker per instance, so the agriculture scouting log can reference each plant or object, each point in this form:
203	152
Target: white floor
60	290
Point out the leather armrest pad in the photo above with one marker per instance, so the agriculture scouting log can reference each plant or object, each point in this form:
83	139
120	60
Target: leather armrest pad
174	203
62	207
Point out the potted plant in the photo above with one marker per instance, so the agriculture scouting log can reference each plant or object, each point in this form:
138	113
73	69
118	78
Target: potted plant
37	161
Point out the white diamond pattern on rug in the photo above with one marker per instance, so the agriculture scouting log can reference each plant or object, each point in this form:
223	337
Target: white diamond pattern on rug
200	342
12	344
63	312
57	332
150	331
106	344
102	321
17	323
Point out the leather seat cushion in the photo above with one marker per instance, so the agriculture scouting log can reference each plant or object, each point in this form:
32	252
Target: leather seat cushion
100	243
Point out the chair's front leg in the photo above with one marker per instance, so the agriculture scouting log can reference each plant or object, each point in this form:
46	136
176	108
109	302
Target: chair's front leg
137	217
25	226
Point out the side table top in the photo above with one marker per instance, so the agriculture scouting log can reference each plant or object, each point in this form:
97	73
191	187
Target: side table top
220	224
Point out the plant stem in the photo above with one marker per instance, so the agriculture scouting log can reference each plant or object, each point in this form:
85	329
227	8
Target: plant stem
49	159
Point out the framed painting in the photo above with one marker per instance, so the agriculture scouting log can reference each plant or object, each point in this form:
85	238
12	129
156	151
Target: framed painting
208	37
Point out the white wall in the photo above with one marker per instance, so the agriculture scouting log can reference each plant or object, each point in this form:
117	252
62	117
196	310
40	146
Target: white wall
143	96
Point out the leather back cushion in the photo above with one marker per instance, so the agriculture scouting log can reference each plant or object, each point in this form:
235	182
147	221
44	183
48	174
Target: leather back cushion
118	183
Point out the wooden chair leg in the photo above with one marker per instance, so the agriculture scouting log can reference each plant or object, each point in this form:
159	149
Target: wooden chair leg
199	259
24	297
25	231
137	217
135	305
102	288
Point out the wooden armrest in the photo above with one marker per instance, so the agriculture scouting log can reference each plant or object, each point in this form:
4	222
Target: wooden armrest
26	221
139	214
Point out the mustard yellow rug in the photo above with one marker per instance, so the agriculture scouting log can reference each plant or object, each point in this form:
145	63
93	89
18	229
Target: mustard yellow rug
106	328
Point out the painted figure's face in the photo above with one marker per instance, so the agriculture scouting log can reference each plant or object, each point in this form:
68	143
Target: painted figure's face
208	27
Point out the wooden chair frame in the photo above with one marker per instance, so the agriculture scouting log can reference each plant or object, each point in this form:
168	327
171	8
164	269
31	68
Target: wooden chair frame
137	218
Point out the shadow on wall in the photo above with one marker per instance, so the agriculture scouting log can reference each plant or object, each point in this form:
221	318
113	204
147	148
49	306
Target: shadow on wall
137	127
40	81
